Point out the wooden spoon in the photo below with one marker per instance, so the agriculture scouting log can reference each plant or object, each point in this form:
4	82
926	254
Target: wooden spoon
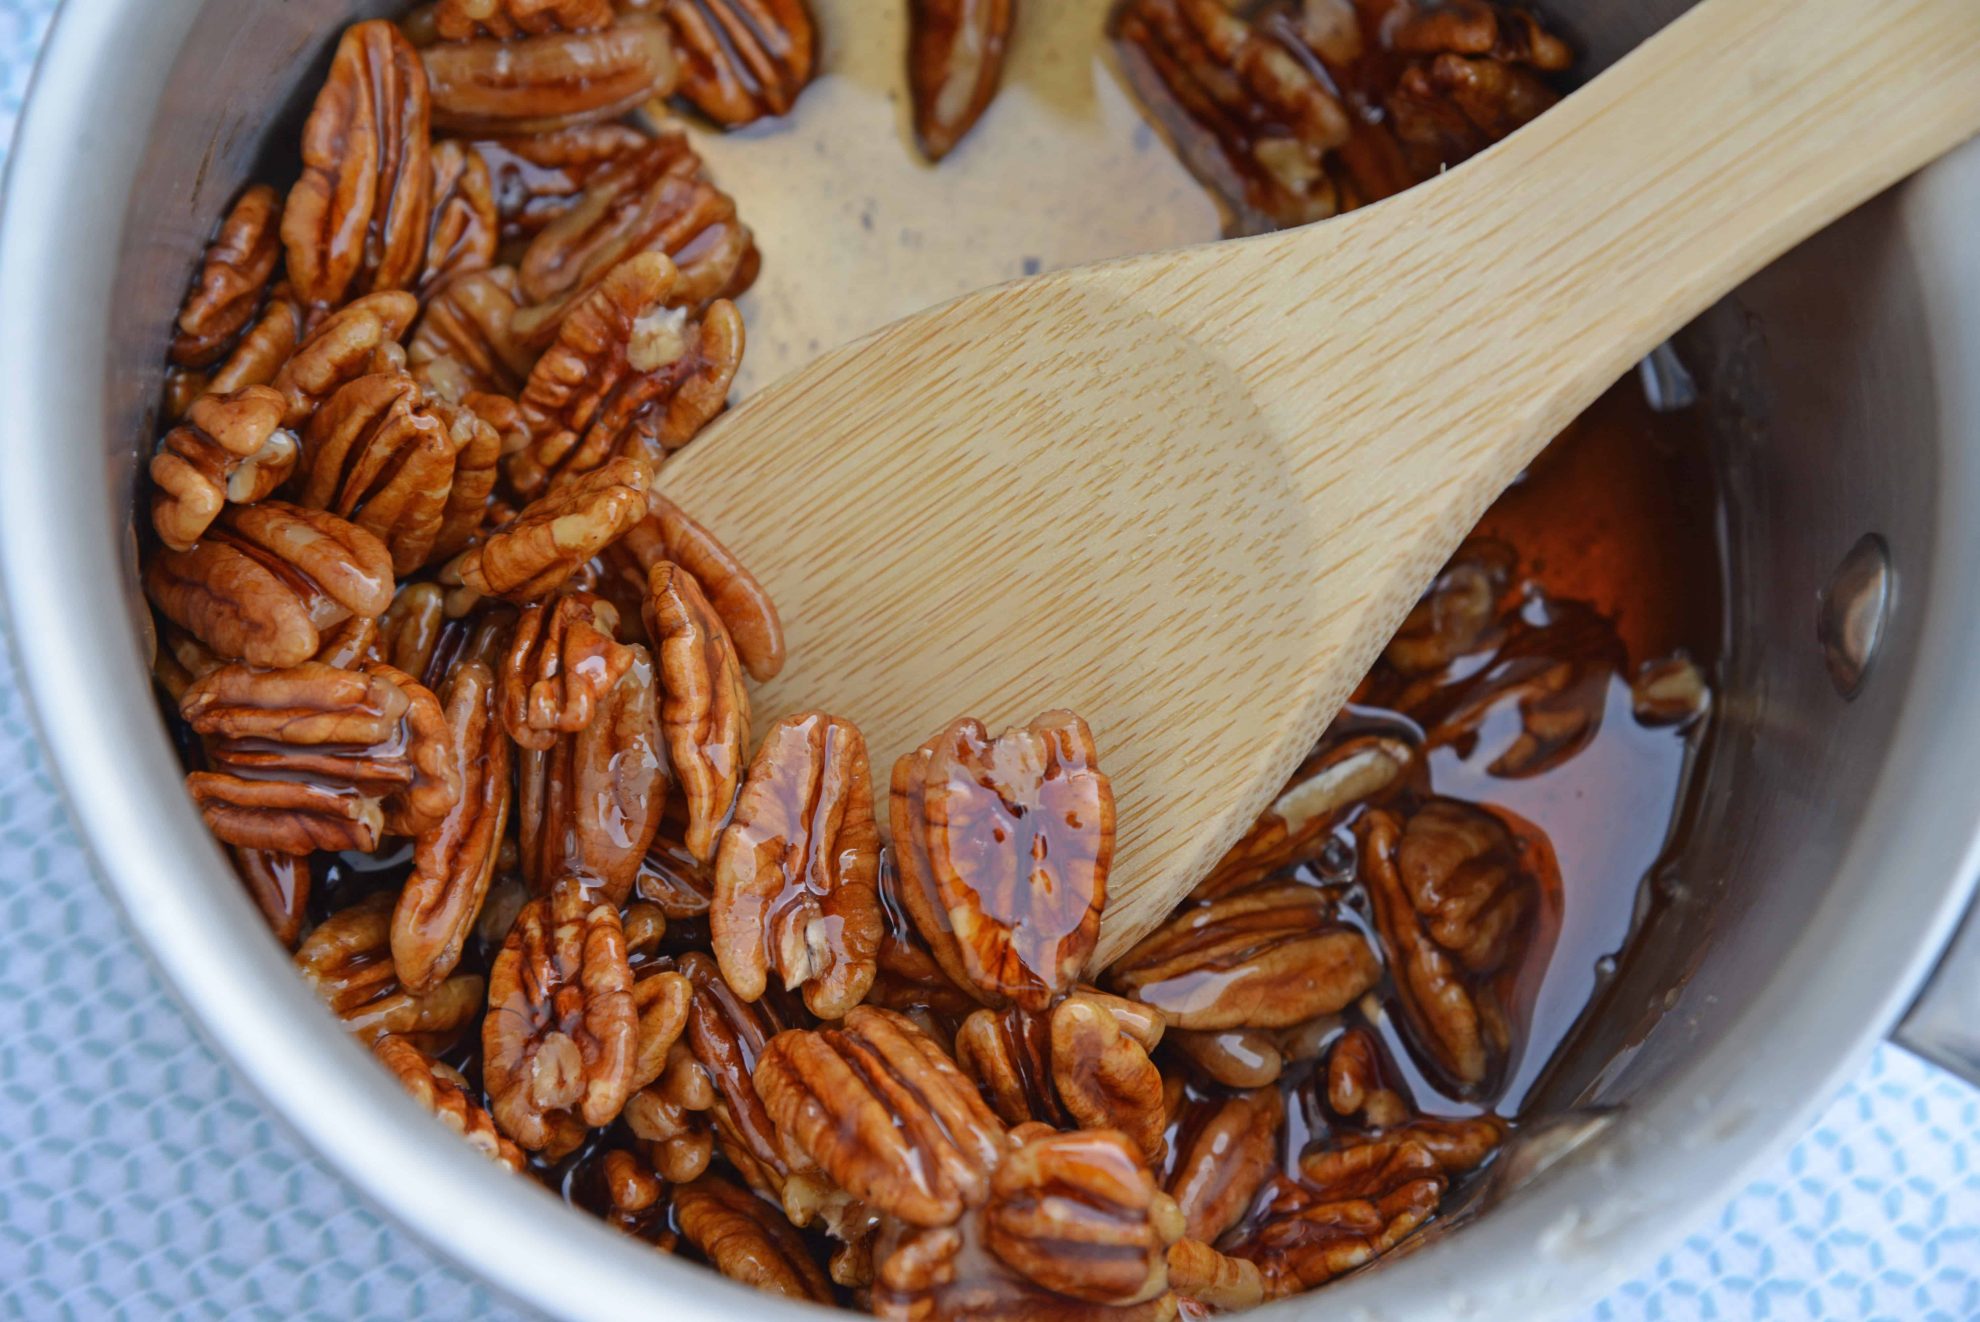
1190	495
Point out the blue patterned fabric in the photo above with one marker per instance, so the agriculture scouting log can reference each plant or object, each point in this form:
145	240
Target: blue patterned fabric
138	1180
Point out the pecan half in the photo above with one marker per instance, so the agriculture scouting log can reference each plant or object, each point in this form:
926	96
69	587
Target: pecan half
635	1200
462	20
1368	1196
409	631
1104	1076
1208	1278
1298	825
629	375
230	448
535	553
796	872
1357	1082
463	343
441	1090
356	340
563	660
376	454
1453	1021
1226	1148
748	1240
955	59
357	219
313	757
1009	1055
671	1115
704	711
1456	1146
743	59
654	199
232	278
1459	613
1248	117
728	1036
548	82
454	860
260	352
1080	1215
347	960
562	1030
885	1112
464	229
477	451
1461	869
1004	850
591	802
745	608
1268	956
539	176
279	884
266	580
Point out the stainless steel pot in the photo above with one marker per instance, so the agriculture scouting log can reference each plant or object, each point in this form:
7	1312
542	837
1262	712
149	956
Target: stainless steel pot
1835	842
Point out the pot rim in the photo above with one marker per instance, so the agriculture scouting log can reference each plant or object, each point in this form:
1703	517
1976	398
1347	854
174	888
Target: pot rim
1549	1247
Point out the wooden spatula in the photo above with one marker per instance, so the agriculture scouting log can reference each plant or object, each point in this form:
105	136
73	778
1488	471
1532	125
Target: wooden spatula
1190	495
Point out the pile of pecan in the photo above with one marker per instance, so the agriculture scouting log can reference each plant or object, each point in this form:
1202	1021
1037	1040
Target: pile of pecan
467	697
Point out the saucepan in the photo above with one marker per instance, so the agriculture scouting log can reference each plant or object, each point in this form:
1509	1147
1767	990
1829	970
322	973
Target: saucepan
1819	891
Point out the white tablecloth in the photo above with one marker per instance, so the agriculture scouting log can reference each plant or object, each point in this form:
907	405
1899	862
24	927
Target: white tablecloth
138	1179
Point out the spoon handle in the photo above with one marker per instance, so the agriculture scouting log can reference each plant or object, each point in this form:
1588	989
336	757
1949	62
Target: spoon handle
1533	276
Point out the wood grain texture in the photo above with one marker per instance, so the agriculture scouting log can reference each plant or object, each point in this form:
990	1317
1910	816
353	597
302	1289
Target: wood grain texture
1190	495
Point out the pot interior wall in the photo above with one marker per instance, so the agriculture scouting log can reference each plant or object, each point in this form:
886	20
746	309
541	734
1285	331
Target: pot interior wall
1814	375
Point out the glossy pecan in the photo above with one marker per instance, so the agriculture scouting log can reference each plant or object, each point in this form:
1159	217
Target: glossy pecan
549	82
1009	1054
232	278
347	960
563	660
376	454
591	802
454	860
535	553
1461	868
1668	690
539	176
1004	849
314	757
357	219
462	20
748	1240
743	59
1267	956
1366	1196
266	580
562	1030
1234	1057
410	629
1475	78
1456	1146
441	1089
629	375
359	339
262	349
1248	117
1080	1215
796	871
704	710
885	1112
477	446
674	879
955	59
745	608
1226	1148
636	1202
1459	613
463	343
230	448
279	884
1445	1015
921	1274
1298	825
662	998
671	1115
654	199
1357	1084
464	229
1479	28
1103	1074
1212	1280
